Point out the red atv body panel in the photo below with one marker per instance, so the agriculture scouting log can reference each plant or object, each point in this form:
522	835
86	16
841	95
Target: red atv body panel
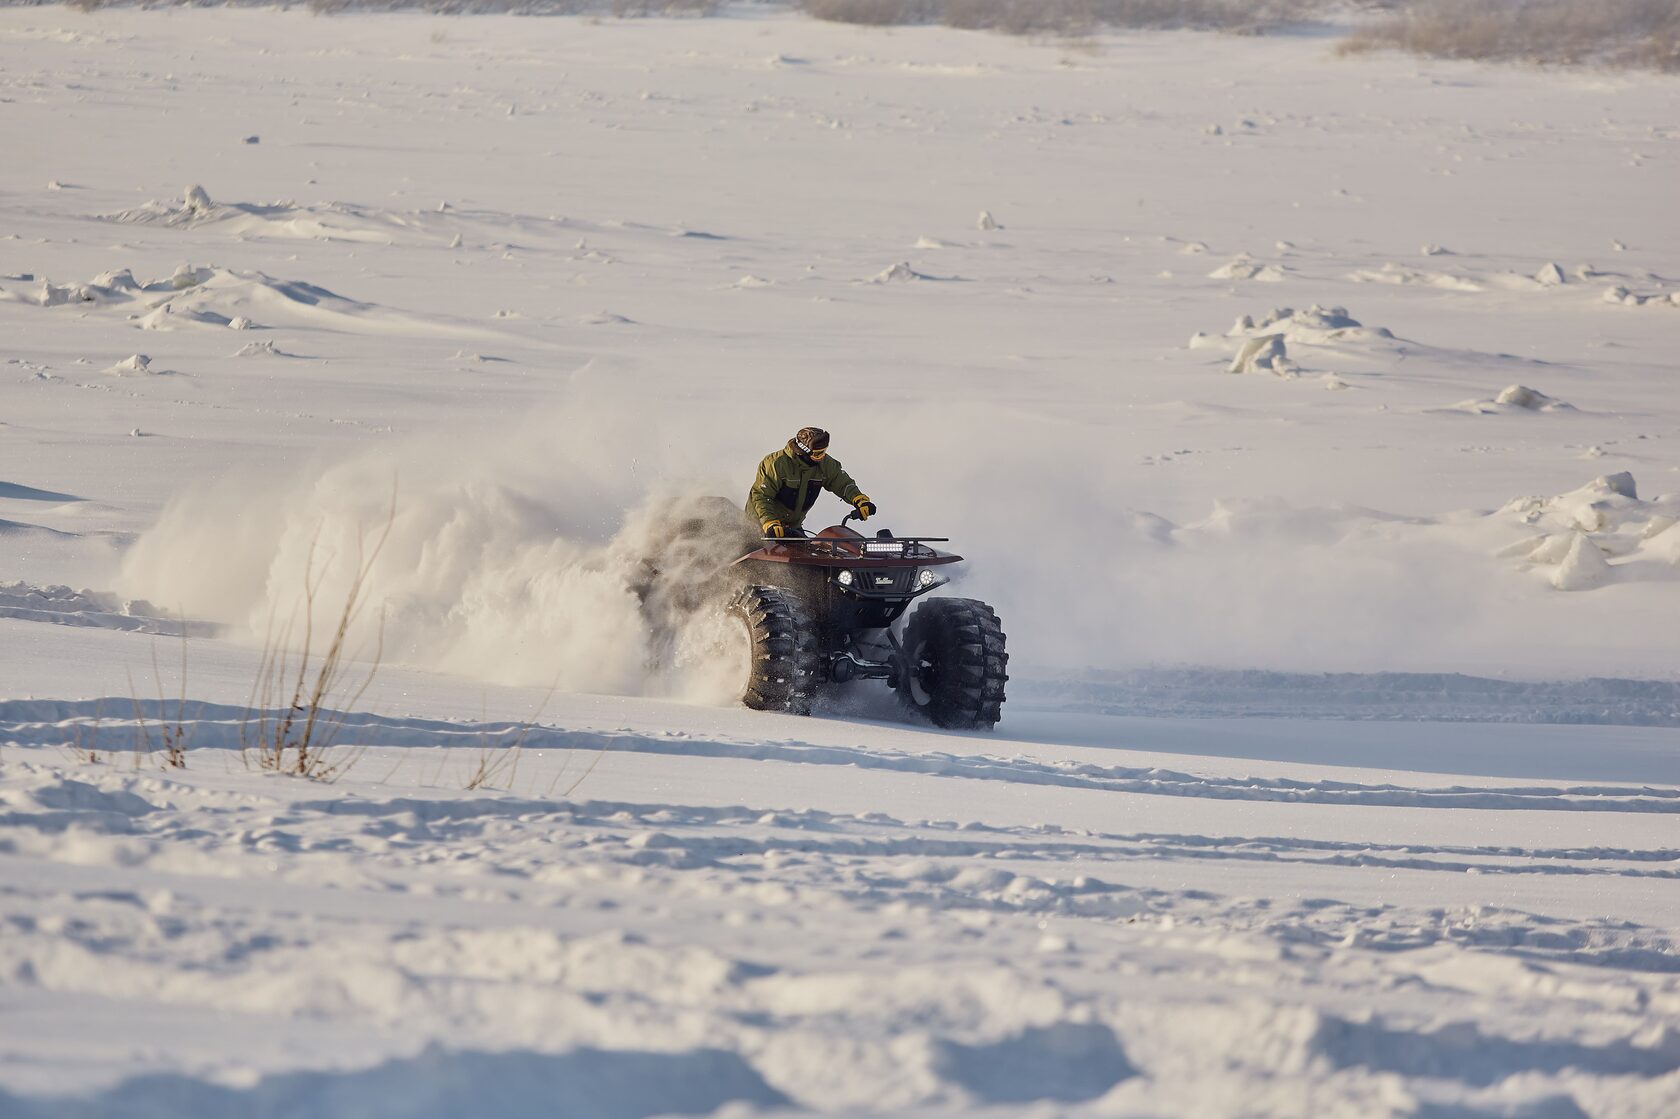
839	546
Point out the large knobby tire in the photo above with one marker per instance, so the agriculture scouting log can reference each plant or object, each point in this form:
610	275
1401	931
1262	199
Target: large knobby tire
783	676
954	664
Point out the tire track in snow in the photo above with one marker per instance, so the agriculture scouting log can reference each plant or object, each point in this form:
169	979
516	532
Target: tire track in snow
218	726
866	861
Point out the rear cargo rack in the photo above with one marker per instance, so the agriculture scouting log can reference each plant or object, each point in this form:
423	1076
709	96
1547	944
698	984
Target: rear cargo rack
867	547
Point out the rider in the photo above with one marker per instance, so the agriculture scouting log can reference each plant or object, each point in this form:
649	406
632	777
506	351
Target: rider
790	479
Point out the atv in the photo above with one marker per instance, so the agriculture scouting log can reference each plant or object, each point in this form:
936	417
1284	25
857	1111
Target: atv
823	610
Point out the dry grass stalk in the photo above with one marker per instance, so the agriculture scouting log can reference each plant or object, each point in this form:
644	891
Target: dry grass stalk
318	688
492	764
85	748
173	733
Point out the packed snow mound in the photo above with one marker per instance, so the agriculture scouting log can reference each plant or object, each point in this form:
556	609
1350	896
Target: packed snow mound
288	220
1261	344
107	287
1623	297
1595	534
224	298
1314	326
228	299
900	273
194	208
1521	396
1401	275
1329	575
134	365
1247	268
1266	353
63	605
1583	566
117	286
119	281
1515	399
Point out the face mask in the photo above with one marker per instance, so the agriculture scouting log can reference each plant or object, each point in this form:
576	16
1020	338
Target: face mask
818	456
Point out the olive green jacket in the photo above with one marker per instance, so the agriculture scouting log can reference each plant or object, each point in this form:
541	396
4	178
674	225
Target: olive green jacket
787	486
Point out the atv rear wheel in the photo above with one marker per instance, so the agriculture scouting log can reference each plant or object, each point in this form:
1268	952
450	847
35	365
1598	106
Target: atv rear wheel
783	673
952	666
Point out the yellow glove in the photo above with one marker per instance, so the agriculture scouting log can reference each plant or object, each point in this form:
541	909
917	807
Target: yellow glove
774	528
865	507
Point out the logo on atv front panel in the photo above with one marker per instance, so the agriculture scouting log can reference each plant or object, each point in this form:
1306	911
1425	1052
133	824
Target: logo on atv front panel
883	580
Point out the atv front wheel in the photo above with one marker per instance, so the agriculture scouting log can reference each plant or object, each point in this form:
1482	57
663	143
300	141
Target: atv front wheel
952	666
783	673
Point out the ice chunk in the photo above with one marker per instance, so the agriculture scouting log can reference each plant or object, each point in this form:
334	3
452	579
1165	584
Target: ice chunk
1550	275
898	274
1266	353
1247	268
120	280
1554	548
986	223
1665	545
186	276
198	200
1621	483
132	365
1583	568
1521	396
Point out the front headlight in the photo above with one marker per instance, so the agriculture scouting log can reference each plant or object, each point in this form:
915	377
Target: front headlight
846	578
925	578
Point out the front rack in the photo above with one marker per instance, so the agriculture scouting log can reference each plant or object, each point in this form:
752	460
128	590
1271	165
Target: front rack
867	547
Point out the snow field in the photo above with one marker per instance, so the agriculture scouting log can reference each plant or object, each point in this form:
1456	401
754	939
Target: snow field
1100	916
527	290
861	963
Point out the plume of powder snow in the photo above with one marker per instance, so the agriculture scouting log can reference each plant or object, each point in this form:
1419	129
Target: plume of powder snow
472	570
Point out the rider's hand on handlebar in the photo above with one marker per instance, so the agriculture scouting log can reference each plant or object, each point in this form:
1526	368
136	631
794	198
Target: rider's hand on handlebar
865	507
774	528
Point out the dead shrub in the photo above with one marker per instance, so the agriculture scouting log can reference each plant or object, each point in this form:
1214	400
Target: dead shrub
875	13
1069	17
630	9
1640	33
317	686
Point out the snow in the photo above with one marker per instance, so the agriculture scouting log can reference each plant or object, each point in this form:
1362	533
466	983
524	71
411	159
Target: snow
1342	758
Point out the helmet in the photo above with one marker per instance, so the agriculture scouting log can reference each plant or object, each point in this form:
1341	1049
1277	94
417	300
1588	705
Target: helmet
810	440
